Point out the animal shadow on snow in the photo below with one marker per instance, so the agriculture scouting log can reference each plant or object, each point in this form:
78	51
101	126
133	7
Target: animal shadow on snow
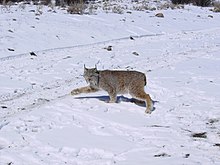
119	99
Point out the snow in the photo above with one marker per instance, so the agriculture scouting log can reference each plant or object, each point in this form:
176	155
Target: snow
41	123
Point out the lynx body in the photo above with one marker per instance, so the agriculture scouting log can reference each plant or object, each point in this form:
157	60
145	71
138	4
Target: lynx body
116	82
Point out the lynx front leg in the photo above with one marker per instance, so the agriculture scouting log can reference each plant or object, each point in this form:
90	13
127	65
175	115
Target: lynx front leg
113	98
86	89
112	95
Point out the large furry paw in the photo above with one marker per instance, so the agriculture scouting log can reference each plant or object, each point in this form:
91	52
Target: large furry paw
75	92
148	111
111	101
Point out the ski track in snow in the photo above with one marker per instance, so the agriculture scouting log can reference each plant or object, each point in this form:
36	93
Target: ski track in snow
44	110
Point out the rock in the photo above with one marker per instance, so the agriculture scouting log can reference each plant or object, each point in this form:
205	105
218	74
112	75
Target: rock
135	53
159	15
217	145
200	135
109	48
32	54
186	155
131	38
10	49
162	155
153	9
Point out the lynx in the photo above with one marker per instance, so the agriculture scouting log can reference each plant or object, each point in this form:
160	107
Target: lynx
116	82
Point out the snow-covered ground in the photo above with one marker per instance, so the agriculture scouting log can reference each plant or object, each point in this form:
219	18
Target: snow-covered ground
41	123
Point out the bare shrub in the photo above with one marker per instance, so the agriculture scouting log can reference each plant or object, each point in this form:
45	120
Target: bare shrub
22	6
91	8
118	9
6	5
216	5
157	5
113	7
39	10
176	6
5	2
45	2
180	1
106	6
202	3
164	6
77	8
142	7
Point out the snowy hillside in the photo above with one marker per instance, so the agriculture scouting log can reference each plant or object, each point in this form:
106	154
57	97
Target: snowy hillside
42	58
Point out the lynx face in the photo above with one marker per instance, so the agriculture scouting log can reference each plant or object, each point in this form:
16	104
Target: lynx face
91	76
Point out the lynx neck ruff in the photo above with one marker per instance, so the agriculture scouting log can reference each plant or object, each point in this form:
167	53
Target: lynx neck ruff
96	85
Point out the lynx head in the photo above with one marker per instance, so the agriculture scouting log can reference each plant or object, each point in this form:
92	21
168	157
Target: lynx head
91	76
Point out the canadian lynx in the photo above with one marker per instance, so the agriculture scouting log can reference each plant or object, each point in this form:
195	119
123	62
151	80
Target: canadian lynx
116	82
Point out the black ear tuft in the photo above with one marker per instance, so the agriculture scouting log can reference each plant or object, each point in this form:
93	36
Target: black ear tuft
95	69
85	67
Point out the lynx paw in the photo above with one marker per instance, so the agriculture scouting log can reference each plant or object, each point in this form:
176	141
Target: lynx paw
75	92
112	101
148	111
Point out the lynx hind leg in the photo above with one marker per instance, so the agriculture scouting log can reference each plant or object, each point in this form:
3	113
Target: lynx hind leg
86	89
149	105
141	95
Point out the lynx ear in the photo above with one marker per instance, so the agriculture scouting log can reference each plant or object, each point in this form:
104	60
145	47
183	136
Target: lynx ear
85	67
96	68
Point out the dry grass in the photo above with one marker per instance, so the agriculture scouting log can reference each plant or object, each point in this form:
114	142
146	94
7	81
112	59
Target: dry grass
77	8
